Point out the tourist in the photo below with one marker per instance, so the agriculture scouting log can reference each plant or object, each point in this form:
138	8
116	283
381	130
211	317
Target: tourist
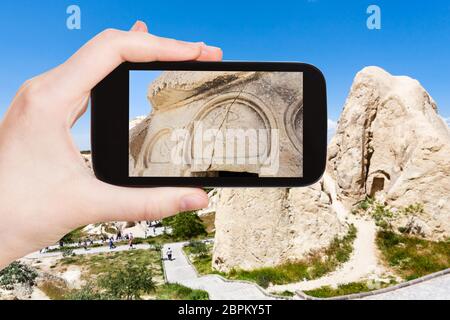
111	244
40	114
130	241
169	254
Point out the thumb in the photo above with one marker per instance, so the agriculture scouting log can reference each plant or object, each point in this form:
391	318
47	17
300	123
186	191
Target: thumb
139	26
111	203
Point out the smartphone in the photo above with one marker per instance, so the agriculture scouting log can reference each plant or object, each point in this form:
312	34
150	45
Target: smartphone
210	124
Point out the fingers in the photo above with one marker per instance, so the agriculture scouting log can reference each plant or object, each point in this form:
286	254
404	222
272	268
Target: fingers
210	53
108	50
110	203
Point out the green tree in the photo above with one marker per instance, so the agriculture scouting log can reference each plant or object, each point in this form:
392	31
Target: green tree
186	225
17	273
128	283
74	236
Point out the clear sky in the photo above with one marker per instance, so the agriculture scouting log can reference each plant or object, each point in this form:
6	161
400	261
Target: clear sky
139	83
414	39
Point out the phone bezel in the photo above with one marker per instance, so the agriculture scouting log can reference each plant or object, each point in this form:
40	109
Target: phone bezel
110	126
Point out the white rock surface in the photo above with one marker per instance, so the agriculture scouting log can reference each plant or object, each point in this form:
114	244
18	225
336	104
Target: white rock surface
265	227
391	143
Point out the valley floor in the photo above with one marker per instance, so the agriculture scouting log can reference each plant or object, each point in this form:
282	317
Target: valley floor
181	271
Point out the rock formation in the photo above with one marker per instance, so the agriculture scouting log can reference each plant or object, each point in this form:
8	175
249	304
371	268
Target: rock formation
392	144
265	227
203	118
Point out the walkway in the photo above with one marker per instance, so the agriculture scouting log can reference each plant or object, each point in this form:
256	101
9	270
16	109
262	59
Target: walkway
78	252
179	270
433	289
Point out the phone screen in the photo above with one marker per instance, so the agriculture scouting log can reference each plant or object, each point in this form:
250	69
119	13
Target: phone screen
215	124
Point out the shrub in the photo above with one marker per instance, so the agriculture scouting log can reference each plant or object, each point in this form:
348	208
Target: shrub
17	273
382	214
67	252
129	283
365	204
74	236
198	247
185	225
87	292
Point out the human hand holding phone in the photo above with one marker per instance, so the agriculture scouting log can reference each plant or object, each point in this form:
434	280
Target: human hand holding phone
46	190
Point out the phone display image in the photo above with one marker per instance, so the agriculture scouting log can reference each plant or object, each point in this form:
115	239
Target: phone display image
216	124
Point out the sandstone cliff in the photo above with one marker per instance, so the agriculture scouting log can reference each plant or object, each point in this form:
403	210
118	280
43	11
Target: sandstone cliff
265	227
390	144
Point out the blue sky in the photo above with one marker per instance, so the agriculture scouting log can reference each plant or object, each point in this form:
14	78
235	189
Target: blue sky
139	82
414	39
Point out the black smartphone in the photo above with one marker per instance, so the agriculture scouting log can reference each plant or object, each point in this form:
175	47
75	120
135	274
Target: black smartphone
210	124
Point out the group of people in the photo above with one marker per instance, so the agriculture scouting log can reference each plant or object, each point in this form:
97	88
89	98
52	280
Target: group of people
129	237
81	244
89	242
86	243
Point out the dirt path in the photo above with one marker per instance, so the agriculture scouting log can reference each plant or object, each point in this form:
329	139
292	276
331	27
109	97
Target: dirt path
363	263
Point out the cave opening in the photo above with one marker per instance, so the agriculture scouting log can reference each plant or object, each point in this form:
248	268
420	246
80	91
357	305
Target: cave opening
377	185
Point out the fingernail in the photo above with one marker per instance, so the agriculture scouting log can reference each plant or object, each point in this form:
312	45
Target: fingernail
210	49
139	26
193	202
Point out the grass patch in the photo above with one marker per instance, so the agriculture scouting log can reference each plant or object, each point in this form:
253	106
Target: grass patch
202	262
54	289
413	257
285	293
178	292
95	265
168	238
316	265
75	236
347	289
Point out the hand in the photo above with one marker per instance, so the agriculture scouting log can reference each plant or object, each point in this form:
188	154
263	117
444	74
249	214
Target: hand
46	190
